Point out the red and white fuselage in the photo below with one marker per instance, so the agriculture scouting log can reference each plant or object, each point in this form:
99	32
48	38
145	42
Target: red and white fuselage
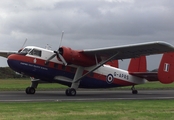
31	61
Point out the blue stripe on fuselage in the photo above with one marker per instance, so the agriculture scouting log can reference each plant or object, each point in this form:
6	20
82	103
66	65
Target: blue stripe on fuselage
48	74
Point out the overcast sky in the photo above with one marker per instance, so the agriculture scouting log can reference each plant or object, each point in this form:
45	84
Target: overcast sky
86	23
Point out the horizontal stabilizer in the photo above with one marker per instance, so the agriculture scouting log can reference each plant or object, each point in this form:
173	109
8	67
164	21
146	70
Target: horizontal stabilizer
150	76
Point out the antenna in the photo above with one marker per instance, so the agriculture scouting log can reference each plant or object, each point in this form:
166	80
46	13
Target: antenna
24	43
22	46
48	47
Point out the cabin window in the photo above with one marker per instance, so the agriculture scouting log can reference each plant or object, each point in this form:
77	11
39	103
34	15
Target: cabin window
55	65
36	52
47	63
63	67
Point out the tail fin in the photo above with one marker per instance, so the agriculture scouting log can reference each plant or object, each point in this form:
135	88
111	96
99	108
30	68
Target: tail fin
138	64
113	63
166	68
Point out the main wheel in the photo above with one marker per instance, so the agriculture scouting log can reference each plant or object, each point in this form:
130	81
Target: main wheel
70	92
27	90
67	92
134	92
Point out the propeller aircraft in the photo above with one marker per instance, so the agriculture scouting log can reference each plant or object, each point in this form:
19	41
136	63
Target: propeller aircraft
91	68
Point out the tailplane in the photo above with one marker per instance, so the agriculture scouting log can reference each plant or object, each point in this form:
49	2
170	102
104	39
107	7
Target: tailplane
166	68
138	64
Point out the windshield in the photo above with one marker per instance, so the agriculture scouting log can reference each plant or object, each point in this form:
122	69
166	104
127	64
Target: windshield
26	50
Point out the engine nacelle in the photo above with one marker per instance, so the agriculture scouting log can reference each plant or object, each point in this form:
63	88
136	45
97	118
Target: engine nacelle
77	57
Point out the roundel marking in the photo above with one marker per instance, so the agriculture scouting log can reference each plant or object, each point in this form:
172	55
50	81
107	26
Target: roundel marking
109	78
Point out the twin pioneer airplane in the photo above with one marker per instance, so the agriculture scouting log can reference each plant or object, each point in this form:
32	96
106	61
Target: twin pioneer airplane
91	68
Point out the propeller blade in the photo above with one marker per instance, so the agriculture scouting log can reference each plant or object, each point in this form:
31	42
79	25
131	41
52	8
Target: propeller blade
62	59
50	58
61	39
58	53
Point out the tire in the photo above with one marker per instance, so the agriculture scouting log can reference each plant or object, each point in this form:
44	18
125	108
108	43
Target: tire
27	90
72	92
30	90
67	92
134	92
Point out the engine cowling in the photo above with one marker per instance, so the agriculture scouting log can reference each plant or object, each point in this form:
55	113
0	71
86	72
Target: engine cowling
77	57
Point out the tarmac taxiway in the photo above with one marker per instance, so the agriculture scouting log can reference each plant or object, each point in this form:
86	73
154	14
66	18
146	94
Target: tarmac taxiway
87	95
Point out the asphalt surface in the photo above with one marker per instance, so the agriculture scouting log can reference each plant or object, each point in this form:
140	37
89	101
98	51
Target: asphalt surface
88	95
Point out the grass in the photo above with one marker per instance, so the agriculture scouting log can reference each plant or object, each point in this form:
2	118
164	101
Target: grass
105	110
21	84
100	110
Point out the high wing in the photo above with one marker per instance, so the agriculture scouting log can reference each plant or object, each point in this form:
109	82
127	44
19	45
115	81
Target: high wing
131	51
6	53
125	52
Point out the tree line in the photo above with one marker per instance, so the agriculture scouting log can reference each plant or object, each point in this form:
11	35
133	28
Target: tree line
6	72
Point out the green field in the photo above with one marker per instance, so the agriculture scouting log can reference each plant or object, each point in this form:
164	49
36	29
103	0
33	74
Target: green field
106	110
96	110
21	84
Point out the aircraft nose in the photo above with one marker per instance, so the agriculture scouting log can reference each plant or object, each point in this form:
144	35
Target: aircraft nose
13	61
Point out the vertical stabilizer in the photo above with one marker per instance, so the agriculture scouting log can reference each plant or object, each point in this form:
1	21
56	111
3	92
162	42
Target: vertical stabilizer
138	64
166	68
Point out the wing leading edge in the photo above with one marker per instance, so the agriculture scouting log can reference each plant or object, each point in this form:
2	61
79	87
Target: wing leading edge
132	50
6	53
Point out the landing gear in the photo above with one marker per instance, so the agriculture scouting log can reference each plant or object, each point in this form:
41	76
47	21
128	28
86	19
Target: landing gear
134	91
70	92
75	83
30	90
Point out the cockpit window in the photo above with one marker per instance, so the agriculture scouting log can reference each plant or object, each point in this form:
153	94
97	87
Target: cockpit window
26	50
35	52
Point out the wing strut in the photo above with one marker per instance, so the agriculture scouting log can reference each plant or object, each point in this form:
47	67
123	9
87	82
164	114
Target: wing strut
95	67
79	75
79	72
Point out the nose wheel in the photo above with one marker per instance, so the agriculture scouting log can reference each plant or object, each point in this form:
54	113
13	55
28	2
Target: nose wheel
30	90
134	91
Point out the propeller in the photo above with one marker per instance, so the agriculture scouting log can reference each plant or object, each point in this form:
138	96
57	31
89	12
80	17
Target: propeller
57	53
24	43
22	46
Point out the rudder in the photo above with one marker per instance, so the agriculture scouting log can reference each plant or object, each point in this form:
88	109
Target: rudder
166	68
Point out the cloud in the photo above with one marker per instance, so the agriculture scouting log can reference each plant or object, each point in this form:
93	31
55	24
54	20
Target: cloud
87	23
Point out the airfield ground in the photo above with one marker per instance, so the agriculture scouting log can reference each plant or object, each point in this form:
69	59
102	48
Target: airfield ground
129	109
